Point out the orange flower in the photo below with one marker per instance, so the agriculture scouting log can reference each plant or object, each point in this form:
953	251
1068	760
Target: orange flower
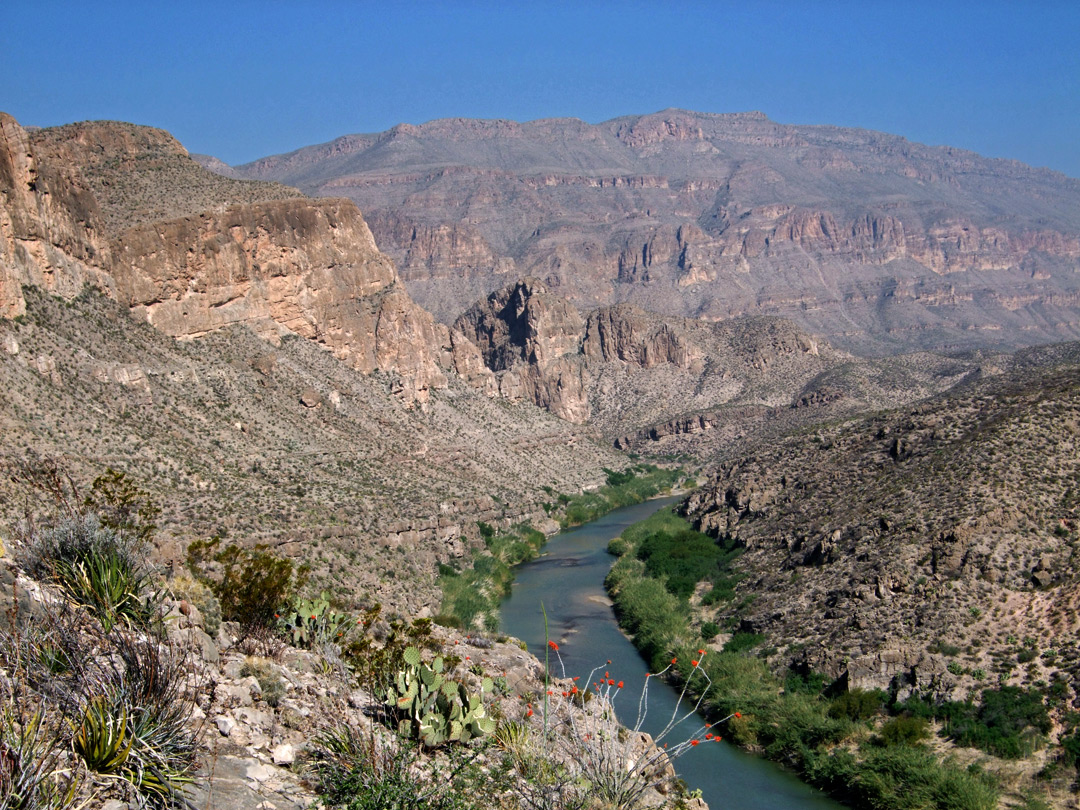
553	645
701	652
673	660
611	682
619	684
717	739
693	663
528	713
738	714
576	678
694	742
709	736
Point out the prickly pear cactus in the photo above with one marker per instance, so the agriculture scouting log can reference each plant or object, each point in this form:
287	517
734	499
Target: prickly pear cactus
434	708
311	623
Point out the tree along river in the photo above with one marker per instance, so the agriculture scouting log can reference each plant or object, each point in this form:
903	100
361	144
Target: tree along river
569	580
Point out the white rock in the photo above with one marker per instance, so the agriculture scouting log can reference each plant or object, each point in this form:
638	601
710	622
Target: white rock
225	724
284	755
259	771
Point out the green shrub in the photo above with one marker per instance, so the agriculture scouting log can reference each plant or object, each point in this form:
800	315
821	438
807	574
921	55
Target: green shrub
634	485
858	704
741	642
251	584
904	730
1010	722
709	630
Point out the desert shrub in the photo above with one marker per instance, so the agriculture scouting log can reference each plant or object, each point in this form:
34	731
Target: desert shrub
741	642
270	681
904	730
122	505
709	630
356	771
202	597
1010	722
857	704
251	584
94	565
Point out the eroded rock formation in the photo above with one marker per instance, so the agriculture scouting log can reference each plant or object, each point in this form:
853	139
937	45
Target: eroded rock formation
281	266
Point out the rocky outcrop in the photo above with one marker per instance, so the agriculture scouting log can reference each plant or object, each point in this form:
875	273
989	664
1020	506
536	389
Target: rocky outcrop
531	339
279	266
51	233
624	333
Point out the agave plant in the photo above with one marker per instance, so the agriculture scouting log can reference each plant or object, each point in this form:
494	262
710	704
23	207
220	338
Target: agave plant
102	738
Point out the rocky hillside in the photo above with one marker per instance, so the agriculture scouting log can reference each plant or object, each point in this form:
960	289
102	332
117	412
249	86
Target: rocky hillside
875	242
288	374
935	546
669	386
281	444
125	209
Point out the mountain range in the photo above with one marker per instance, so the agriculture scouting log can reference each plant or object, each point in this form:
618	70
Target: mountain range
876	243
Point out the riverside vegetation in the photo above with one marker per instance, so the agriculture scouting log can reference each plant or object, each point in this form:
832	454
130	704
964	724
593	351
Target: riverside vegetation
471	595
110	679
866	747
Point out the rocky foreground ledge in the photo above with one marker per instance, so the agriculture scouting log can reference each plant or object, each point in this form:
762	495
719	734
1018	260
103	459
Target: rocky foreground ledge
261	711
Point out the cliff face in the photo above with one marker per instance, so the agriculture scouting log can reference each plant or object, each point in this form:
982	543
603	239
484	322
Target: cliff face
124	208
309	268
872	241
51	232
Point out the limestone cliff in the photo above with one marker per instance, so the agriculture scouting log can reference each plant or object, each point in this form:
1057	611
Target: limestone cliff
531	338
51	232
305	267
125	209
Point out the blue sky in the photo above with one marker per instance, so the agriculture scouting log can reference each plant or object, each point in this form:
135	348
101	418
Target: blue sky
241	80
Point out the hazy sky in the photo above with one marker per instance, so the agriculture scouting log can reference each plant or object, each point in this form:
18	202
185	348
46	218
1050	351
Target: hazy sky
241	80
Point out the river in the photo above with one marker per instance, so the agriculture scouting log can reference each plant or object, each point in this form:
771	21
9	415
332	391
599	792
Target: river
569	580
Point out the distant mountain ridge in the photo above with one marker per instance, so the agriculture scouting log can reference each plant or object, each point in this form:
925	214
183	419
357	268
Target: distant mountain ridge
873	241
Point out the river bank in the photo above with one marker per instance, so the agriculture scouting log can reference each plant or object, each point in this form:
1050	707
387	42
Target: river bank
473	591
844	742
568	579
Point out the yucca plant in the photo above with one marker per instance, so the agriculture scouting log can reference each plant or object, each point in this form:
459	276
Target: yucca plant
102	738
30	757
96	566
104	582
